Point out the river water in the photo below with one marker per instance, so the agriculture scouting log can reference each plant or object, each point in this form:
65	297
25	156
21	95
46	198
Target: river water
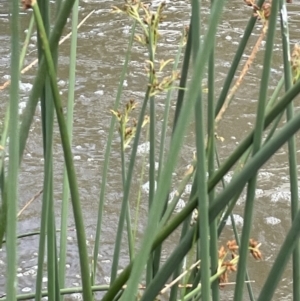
102	42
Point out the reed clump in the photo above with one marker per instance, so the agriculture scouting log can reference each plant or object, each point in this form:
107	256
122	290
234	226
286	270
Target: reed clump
208	200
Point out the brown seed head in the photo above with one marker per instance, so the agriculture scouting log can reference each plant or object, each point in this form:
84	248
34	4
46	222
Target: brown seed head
254	249
266	8
222	252
232	246
27	4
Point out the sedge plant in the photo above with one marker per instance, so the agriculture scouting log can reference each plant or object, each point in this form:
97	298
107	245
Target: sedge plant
209	203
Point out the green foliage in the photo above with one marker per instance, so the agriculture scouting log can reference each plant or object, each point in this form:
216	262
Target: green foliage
203	218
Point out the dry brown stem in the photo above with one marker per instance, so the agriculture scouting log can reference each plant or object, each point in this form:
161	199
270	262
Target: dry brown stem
29	202
243	73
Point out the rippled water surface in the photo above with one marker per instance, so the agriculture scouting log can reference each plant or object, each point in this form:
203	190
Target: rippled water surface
102	43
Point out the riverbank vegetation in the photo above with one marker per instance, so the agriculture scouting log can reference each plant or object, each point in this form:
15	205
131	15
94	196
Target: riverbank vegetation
199	265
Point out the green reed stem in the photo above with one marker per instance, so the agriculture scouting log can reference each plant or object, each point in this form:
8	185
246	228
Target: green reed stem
138	201
83	256
26	42
124	213
64	291
127	210
43	231
48	197
152	135
128	184
154	258
201	171
13	166
292	154
3	208
183	78
70	111
211	146
108	149
47	123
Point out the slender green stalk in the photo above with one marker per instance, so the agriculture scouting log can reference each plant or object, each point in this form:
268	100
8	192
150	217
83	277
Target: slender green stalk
53	290
152	133
183	78
13	166
83	256
42	238
211	145
26	42
204	242
128	180
154	258
127	211
202	202
124	212
47	126
64	291
108	149
3	208
138	201
292	157
70	110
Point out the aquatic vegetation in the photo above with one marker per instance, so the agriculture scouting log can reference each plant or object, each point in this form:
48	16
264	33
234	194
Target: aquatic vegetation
195	205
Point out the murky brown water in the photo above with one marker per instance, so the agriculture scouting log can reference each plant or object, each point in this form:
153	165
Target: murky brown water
102	43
